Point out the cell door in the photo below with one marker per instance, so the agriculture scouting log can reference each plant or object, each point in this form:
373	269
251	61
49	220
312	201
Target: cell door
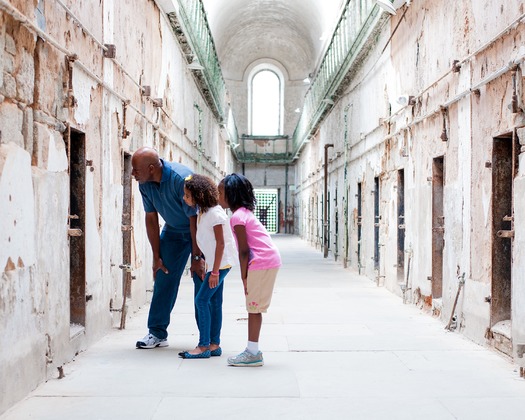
336	226
346	240
377	218
126	235
76	142
503	169
400	224
438	226
359	222
266	210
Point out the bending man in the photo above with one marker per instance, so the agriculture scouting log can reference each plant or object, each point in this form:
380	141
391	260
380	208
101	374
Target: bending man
161	185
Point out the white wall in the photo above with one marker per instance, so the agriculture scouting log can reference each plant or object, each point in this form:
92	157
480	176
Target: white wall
34	177
384	137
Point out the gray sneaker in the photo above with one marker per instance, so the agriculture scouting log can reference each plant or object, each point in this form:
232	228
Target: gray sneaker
246	359
150	342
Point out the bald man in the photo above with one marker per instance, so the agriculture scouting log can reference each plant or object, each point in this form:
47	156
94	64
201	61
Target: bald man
161	185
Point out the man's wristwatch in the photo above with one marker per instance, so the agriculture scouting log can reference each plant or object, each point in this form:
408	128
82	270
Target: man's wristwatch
196	258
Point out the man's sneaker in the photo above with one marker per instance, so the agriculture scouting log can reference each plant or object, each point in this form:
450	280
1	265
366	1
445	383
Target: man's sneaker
246	359
150	342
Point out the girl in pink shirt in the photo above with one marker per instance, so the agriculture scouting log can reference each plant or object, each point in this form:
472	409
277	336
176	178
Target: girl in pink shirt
259	260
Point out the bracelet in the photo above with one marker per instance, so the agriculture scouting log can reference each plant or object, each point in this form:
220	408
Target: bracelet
214	273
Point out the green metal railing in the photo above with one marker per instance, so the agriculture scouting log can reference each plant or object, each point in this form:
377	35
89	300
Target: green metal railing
353	29
197	31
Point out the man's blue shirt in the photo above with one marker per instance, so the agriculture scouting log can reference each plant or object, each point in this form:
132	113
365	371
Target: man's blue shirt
166	197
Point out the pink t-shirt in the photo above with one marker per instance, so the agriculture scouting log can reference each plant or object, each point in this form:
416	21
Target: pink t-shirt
263	252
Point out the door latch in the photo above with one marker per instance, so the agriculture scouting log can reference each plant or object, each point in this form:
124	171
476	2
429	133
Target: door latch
126	267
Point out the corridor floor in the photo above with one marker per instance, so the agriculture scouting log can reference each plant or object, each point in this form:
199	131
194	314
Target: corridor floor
335	347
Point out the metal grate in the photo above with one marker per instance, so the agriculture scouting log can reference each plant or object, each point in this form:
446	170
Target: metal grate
266	210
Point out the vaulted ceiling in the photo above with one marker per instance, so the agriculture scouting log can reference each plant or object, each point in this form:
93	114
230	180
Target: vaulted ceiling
294	33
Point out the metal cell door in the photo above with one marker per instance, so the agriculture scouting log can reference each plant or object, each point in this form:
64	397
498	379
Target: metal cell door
266	210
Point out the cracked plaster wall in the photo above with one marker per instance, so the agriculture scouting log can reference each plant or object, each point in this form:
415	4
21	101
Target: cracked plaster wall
34	176
411	63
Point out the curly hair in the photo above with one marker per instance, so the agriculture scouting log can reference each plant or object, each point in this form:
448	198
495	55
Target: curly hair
203	191
239	192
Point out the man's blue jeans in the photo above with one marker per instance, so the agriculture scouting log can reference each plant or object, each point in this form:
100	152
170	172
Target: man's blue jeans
208	306
175	249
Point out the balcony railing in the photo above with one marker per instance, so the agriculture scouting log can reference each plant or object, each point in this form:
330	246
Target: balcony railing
356	25
194	25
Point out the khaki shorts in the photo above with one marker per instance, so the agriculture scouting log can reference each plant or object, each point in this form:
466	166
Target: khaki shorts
260	288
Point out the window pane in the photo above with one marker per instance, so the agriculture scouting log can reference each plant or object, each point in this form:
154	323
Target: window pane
266	104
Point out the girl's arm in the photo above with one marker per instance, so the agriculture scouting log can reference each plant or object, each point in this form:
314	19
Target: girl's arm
219	251
244	252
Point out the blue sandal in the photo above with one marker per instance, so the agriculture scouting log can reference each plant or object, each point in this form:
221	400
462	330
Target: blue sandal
187	355
216	352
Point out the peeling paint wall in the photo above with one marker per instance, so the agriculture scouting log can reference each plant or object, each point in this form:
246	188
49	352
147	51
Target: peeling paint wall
375	136
54	79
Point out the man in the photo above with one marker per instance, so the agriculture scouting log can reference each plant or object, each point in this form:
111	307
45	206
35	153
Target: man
161	185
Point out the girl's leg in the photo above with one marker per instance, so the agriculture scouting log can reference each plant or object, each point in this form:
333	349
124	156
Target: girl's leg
254	327
216	311
197	283
260	285
203	307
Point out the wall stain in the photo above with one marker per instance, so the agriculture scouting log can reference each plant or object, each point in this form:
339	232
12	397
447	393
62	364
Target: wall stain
10	265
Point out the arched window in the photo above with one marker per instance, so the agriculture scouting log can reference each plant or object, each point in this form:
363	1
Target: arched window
265	88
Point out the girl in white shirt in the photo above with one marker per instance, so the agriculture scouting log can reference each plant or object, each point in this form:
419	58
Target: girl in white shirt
215	240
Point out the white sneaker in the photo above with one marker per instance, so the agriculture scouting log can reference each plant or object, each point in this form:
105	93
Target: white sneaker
246	359
150	342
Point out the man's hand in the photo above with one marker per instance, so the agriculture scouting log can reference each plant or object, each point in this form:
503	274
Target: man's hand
158	265
198	267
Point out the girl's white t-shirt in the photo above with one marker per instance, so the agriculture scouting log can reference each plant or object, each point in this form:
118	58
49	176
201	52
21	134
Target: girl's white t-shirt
206	237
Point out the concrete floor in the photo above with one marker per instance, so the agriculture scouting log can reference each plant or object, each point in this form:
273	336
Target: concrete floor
335	347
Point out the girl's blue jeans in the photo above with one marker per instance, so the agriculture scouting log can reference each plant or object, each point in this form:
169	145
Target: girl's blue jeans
208	304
